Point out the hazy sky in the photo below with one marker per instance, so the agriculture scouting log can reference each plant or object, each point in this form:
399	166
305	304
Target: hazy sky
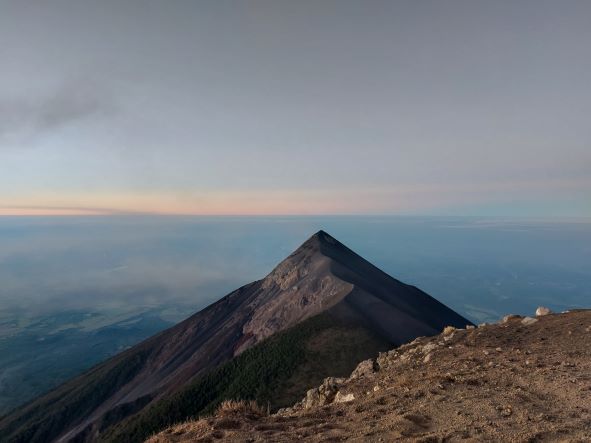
421	107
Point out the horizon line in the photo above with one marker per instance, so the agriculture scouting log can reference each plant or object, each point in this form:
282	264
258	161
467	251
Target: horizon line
247	215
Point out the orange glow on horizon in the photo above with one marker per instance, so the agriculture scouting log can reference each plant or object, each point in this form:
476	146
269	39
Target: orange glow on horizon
197	203
46	212
395	200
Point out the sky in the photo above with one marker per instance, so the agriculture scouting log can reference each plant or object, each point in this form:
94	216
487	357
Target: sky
281	107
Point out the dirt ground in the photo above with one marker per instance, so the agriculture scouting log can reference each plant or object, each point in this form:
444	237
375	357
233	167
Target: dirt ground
506	382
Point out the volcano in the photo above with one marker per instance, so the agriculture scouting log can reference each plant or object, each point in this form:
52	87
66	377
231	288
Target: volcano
319	312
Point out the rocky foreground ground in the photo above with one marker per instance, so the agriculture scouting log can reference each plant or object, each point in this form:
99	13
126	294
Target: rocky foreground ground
521	380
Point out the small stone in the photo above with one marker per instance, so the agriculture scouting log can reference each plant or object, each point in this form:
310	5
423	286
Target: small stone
427	358
470	327
499	349
506	412
485	352
376	388
482	325
542	310
528	321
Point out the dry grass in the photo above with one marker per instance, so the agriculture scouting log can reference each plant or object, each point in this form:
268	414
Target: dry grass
179	431
448	330
228	416
251	407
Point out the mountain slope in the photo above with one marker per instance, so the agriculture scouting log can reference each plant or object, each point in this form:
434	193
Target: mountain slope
515	381
322	275
274	373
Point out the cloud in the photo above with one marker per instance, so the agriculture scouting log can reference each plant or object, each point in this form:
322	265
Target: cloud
25	117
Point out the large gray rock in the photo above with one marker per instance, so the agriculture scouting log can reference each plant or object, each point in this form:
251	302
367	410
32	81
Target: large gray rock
323	394
364	369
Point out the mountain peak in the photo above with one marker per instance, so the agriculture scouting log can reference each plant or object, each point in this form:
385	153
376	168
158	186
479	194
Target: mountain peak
311	260
322	235
320	242
319	238
325	237
322	273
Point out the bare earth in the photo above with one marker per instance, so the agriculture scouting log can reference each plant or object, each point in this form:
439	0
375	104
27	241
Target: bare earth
509	381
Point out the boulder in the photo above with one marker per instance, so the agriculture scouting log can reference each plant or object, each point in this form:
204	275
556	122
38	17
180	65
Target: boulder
542	310
323	394
364	369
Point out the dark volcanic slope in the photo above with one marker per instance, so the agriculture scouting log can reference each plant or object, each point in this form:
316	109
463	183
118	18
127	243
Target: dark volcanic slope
322	274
